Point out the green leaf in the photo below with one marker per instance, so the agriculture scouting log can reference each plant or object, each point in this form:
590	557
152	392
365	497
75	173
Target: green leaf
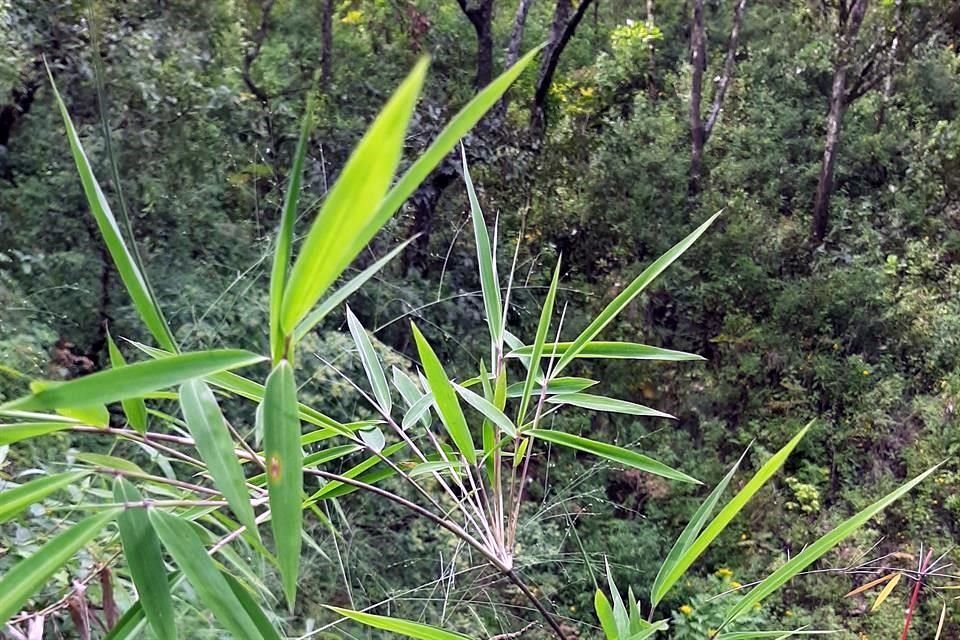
134	380
411	395
13	501
406	628
343	226
12	433
556	387
134	408
284	458
611	452
605	614
108	462
335	299
627	295
208	582
141	549
133	278
690	532
215	444
602	403
616	350
446	140
30	574
445	398
371	363
779	635
489	283
815	551
256	613
284	246
728	513
488	409
335	488
536	350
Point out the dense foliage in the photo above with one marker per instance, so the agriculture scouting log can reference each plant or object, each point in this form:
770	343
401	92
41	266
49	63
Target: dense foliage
190	112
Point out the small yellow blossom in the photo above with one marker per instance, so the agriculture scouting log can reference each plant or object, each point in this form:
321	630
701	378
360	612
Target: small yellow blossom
865	372
586	92
735	585
743	536
724	572
788	613
756	605
686	609
352	17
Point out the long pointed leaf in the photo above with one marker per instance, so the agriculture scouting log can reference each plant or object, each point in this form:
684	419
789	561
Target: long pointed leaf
284	456
627	295
134	408
141	549
209	430
30	574
614	350
488	409
602	403
537	349
371	363
13	501
489	284
406	628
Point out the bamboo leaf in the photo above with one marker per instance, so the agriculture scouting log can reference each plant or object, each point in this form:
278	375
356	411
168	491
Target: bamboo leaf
30	574
886	591
338	297
489	283
108	462
778	635
488	409
216	447
284	244
602	403
284	458
611	452
406	628
634	289
371	363
343	226
614	350
726	515
445	398
208	582
556	387
690	532
446	140
537	349
134	408
13	433
411	395
605	614
266	629
13	501
134	380
869	585
141	549
824	544
133	278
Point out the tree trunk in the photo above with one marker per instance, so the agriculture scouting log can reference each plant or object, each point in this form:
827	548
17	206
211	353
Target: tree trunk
652	92
888	79
481	17
698	62
516	33
326	44
563	27
728	65
849	28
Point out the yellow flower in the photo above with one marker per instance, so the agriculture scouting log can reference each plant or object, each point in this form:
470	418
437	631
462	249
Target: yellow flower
865	372
724	572
686	609
743	536
735	585
586	92
788	613
756	605
352	17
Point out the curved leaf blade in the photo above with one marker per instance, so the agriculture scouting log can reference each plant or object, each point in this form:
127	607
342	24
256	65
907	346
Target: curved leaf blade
406	628
371	363
134	408
612	350
13	501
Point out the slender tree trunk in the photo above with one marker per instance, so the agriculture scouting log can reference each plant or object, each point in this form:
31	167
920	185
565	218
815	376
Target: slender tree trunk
888	79
481	17
849	29
698	61
326	44
652	91
728	66
563	27
512	53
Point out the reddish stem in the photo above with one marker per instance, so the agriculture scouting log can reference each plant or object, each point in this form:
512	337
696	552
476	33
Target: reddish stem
916	596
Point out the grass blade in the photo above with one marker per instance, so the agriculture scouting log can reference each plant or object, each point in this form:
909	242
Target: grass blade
445	398
632	291
732	508
211	587
343	226
134	408
614	350
13	501
602	403
405	628
133	278
536	350
886	591
371	363
824	544
335	299
778	635
611	452
489	283
30	574
284	248
281	440
605	614
141	549
209	430
134	380
690	532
